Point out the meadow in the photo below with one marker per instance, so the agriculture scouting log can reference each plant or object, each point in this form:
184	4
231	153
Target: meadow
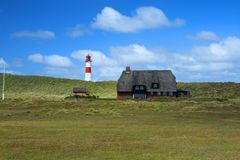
37	123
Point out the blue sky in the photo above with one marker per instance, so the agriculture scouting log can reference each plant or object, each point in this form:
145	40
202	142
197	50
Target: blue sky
198	40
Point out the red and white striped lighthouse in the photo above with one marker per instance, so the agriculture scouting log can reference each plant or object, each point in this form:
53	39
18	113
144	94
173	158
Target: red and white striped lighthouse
88	68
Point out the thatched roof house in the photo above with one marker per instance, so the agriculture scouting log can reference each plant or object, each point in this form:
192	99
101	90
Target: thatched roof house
141	84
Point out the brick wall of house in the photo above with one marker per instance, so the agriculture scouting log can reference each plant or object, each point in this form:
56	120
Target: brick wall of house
124	95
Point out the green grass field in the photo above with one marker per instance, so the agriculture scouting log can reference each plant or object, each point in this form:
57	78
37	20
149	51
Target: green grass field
36	123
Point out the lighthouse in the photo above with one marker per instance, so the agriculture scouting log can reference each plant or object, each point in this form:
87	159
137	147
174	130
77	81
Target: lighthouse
88	68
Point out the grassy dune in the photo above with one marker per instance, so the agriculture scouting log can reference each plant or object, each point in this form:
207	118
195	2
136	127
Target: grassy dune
36	123
47	87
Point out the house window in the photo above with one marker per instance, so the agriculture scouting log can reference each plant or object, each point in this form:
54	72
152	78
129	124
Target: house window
167	93
136	87
155	85
141	87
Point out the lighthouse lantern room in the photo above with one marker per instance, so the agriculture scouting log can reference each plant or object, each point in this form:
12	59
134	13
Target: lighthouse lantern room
88	68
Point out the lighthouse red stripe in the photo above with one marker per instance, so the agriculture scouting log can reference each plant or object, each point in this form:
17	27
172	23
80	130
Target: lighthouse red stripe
88	70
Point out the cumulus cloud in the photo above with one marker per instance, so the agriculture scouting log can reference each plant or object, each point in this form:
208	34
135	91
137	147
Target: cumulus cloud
207	66
51	60
210	62
133	54
78	30
38	58
10	72
218	61
144	18
99	58
2	62
206	35
202	63
43	34
109	66
121	55
213	58
57	60
227	49
104	67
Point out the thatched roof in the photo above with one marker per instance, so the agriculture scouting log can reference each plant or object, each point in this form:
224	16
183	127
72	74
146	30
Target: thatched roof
164	78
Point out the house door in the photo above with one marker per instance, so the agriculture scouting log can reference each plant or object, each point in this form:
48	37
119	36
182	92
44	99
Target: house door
139	92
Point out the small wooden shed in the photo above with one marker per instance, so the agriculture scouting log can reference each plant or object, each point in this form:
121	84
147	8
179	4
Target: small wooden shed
80	91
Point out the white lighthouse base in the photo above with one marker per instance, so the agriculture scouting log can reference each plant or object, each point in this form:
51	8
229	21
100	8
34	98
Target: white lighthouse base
87	76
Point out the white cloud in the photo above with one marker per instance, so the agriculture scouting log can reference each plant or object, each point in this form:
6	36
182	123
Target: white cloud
203	63
78	30
2	62
226	50
43	34
38	58
57	60
103	67
206	35
120	55
107	73
51	60
99	58
214	62
109	67
208	66
133	54
145	18
10	72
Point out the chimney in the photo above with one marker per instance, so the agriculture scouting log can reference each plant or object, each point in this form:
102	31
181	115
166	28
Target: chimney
128	70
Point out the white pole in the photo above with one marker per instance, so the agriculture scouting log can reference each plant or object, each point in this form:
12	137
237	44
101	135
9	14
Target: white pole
3	87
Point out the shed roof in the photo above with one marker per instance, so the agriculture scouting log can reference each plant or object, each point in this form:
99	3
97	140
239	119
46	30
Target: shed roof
165	78
80	90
